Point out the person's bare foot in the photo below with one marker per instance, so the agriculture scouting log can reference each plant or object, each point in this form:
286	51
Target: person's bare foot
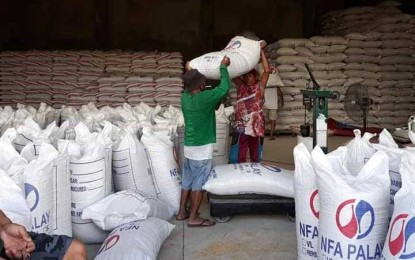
182	216
271	138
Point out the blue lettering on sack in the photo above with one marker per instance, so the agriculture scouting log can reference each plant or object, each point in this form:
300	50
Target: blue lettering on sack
332	248
40	222
308	231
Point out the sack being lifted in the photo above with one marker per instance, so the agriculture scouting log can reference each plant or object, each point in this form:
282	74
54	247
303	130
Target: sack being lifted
243	53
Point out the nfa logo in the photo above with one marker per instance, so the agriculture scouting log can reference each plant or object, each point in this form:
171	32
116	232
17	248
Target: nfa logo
271	168
32	196
233	45
355	213
313	203
402	228
108	243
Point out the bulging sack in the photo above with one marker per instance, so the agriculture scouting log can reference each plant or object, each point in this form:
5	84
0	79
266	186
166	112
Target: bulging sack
38	182
131	169
354	210
167	177
250	178
390	147
138	240
243	53
400	239
12	201
359	152
88	185
126	206
306	204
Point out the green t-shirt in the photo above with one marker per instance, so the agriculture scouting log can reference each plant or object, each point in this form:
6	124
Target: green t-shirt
199	112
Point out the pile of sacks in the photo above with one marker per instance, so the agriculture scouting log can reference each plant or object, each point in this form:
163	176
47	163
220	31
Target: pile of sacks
119	166
385	17
357	201
77	77
385	67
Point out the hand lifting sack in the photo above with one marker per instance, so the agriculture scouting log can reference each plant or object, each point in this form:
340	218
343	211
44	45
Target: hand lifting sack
138	240
399	243
250	178
126	206
354	210
243	53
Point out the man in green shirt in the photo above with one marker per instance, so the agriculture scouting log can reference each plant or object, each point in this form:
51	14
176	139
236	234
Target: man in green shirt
198	107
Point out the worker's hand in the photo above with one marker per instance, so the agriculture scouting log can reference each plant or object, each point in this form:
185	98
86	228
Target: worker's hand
187	66
17	242
262	43
225	61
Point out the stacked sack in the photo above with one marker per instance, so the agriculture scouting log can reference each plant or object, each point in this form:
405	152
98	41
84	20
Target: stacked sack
92	154
382	17
382	60
78	77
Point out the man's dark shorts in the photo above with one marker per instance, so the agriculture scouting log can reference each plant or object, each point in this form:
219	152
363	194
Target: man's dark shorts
48	247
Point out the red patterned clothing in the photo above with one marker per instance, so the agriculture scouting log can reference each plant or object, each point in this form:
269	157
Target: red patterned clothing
249	109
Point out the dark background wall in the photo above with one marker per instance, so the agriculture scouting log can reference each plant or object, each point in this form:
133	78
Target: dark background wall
189	26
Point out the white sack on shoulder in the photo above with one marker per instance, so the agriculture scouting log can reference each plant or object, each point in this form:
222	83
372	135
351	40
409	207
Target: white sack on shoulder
126	206
243	53
138	240
13	203
248	178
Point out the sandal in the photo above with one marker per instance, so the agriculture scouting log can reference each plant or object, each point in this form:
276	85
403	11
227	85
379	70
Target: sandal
204	223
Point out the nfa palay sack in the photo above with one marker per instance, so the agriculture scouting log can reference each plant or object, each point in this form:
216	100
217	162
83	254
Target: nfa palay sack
354	210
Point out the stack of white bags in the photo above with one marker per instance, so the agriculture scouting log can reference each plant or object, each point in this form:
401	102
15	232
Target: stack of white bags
89	158
347	199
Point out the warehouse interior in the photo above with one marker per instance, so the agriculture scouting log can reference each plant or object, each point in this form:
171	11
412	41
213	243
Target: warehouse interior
99	81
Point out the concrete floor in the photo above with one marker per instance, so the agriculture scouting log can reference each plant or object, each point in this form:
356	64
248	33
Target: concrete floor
244	236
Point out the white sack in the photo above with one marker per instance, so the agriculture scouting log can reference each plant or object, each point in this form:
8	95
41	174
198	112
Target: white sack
126	206
30	131
166	173
243	53
247	178
12	202
131	169
138	240
61	187
12	163
359	151
400	239
306	204
38	181
354	210
87	167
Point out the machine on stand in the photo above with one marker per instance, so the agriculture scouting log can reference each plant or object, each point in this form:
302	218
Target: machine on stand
317	100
